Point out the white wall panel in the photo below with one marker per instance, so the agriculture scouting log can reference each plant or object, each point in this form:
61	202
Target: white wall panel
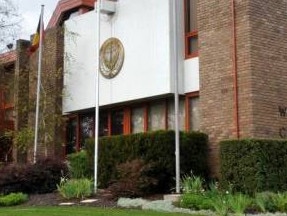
144	28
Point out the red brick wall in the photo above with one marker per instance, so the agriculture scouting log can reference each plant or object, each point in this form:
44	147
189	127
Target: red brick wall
269	65
261	54
50	118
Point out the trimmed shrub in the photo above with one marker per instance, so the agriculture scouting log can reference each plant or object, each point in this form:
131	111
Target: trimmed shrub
195	201
79	166
13	199
157	148
133	179
41	177
253	165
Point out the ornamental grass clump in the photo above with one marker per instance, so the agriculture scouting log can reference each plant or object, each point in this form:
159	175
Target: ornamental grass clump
280	202
238	203
192	184
75	188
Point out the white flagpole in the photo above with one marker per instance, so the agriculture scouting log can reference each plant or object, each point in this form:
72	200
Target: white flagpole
97	97
176	99
38	85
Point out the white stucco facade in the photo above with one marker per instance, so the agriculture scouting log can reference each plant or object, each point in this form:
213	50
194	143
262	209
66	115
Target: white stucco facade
145	29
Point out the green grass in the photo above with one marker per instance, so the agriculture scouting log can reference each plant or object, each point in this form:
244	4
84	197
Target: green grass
79	211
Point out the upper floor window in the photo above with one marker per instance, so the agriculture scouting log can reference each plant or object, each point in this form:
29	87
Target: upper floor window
191	30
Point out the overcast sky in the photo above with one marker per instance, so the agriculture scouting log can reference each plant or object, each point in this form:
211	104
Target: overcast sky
29	11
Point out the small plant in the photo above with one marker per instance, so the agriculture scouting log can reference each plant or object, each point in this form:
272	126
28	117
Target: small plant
238	203
280	201
13	199
220	204
75	188
265	201
192	184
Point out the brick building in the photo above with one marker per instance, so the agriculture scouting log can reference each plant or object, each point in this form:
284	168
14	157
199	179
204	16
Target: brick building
231	66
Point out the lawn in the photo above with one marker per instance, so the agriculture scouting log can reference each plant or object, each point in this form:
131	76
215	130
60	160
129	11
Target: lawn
79	211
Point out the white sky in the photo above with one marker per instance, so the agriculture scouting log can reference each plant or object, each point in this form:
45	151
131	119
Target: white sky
29	11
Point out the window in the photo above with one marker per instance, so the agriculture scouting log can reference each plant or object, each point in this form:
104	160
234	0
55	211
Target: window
103	124
137	120
117	121
71	136
191	32
156	117
86	128
181	116
193	114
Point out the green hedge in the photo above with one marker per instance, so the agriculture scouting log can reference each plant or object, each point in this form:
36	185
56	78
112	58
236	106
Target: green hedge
254	165
157	147
79	166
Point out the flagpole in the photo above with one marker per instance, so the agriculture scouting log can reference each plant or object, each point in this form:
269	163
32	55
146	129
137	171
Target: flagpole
97	97
38	85
176	99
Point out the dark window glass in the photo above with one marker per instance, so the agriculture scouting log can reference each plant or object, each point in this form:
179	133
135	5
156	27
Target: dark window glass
71	136
117	122
104	124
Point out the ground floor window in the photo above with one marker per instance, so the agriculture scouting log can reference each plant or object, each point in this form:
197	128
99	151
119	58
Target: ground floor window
117	122
156	116
134	118
137	119
86	128
193	119
71	136
181	114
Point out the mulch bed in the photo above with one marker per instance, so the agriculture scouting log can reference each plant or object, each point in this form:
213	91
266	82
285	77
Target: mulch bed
104	199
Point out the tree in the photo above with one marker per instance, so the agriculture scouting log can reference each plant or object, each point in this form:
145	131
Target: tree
9	24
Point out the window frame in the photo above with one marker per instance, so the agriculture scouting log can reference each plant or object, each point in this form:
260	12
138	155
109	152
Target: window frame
188	35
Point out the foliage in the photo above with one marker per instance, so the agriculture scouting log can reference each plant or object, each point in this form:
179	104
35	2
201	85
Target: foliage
13	199
154	147
253	165
5	149
280	201
222	202
23	138
134	179
238	203
9	23
195	201
41	177
192	184
79	166
75	188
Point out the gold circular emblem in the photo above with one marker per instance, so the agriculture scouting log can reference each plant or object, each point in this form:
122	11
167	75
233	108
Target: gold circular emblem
111	57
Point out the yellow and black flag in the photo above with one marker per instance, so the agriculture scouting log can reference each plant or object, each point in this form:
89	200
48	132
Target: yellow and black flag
36	39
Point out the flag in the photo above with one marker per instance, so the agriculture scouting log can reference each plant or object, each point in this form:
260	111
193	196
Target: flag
36	39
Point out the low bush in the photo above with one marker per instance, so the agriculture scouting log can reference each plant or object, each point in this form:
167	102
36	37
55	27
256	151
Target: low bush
75	188
79	166
195	201
41	177
133	180
13	199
